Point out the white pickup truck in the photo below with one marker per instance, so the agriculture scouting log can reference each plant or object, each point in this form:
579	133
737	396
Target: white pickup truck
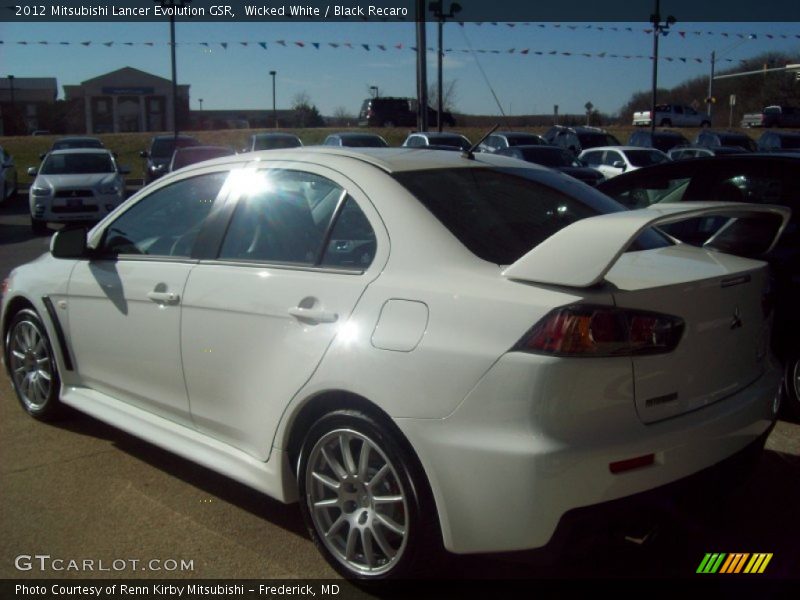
672	115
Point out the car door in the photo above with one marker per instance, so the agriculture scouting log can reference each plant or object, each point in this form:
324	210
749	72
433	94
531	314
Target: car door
124	305
301	247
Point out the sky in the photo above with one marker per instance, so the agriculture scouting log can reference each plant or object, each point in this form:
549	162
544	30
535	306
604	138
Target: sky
340	77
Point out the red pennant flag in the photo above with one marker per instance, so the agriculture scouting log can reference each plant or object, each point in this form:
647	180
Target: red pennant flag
525	51
301	44
399	46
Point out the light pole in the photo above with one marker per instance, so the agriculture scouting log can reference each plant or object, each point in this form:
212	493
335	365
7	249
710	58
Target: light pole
200	100
658	29
274	110
437	8
710	97
374	91
174	4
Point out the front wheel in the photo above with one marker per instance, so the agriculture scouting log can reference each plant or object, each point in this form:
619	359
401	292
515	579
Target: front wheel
32	365
364	499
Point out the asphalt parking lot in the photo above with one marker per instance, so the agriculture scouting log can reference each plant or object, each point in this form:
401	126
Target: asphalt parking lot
80	490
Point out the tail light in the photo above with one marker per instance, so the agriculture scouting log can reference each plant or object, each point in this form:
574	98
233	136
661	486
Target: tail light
587	330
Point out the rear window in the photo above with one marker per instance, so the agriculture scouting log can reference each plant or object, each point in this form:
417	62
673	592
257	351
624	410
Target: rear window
501	214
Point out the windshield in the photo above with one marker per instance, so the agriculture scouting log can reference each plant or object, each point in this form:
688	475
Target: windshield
455	141
523	140
363	141
501	214
741	141
268	142
164	147
83	163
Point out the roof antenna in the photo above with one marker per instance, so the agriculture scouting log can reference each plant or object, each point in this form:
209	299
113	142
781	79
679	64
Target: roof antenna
470	154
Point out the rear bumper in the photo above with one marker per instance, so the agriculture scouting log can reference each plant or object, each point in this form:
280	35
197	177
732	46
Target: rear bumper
533	441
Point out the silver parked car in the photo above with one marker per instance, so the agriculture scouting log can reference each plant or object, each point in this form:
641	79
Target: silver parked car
75	185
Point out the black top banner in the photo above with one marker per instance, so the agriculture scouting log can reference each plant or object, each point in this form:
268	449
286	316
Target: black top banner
400	10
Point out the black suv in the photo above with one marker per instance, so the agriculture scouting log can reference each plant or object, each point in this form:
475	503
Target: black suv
578	139
387	112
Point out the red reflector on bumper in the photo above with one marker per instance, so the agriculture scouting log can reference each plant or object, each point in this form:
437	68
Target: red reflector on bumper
632	463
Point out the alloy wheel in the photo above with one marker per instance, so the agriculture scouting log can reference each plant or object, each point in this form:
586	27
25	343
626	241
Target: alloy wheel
357	502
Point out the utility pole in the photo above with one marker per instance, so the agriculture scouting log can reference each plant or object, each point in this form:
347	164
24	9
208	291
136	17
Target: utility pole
422	68
274	109
437	8
658	28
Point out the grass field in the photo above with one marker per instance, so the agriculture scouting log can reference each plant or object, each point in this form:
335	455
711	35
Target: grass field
26	149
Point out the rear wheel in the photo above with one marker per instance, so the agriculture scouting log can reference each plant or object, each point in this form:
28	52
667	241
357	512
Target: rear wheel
792	384
364	500
32	365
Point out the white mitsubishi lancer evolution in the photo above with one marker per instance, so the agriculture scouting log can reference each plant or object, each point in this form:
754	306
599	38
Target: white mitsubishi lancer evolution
424	348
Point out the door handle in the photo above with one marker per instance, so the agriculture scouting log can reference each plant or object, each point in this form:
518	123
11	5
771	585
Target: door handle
164	297
313	315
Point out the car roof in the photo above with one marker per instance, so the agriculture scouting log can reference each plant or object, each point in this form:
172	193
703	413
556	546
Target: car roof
390	160
274	134
81	151
622	148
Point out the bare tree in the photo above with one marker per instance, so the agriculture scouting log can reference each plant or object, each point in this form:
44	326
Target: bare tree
342	117
449	95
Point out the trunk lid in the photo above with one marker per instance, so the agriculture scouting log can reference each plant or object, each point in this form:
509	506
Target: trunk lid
724	345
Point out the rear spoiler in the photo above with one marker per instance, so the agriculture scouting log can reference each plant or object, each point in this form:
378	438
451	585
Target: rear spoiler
581	254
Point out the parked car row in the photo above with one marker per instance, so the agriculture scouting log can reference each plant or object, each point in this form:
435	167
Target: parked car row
425	349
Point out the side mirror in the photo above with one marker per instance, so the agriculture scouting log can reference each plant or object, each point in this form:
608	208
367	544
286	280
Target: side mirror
69	243
620	165
42	155
144	154
32	171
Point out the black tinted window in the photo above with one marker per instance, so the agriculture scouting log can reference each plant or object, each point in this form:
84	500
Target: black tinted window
501	214
351	244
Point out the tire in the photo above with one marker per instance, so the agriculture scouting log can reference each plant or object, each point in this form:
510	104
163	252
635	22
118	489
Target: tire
347	462
38	227
792	385
32	366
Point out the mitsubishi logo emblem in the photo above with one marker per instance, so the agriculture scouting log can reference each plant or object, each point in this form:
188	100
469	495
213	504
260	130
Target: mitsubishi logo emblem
736	322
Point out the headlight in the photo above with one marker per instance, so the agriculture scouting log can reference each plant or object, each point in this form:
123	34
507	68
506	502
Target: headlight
41	191
110	189
157	168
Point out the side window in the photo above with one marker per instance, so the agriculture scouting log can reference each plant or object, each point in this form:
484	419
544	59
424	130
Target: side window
351	244
283	220
611	157
593	159
678	110
167	222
